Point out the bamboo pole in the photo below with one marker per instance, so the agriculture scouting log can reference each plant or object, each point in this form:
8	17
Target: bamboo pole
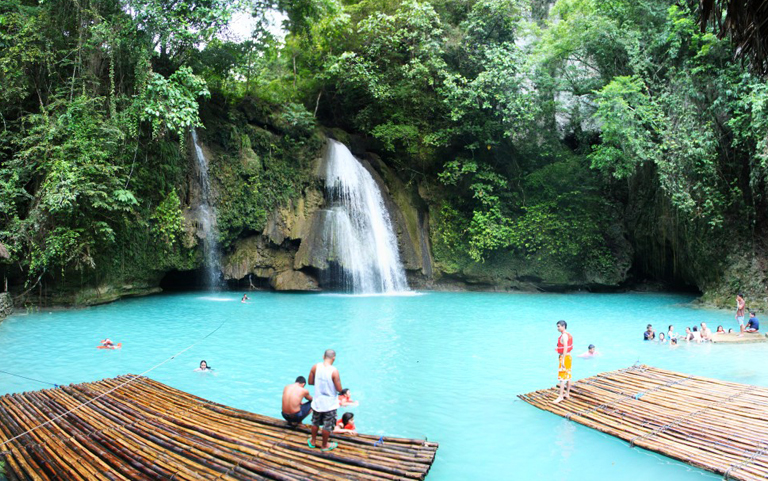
145	430
711	424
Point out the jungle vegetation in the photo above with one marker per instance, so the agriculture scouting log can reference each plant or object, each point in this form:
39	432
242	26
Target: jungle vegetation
552	131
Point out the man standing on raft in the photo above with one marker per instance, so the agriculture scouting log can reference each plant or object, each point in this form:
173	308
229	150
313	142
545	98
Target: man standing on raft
327	384
564	348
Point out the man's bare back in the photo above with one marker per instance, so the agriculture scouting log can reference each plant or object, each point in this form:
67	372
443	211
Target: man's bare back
293	394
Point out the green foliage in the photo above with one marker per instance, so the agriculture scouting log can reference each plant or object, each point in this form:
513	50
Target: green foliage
171	104
79	170
167	220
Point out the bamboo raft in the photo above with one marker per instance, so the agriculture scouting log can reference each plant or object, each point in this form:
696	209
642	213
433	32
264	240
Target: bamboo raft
147	430
714	425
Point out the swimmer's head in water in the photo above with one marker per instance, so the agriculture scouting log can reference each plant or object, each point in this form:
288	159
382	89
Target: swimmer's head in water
203	365
301	380
347	417
329	354
591	348
674	340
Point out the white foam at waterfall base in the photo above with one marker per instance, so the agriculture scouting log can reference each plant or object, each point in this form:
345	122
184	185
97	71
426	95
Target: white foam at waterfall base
206	215
359	231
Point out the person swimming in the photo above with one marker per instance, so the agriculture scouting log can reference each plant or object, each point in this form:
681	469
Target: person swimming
662	339
107	342
245	298
203	367
720	330
591	352
346	424
345	398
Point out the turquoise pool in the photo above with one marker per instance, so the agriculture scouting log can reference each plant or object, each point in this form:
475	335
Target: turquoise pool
446	366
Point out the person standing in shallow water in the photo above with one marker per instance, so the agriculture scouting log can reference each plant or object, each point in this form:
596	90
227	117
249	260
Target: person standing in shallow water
327	384
564	348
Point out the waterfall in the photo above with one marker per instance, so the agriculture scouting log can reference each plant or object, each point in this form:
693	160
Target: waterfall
206	216
361	243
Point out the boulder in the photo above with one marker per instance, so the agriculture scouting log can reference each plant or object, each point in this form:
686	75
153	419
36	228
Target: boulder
293	281
255	255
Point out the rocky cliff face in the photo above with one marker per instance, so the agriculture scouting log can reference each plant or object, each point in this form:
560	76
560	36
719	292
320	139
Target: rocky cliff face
290	253
6	305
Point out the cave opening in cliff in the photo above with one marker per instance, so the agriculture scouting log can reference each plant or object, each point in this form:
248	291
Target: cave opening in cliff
177	280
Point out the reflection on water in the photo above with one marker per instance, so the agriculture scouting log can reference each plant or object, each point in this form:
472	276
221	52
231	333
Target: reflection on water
443	366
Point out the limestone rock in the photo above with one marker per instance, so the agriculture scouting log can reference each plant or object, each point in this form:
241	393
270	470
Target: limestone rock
293	281
6	305
294	221
255	255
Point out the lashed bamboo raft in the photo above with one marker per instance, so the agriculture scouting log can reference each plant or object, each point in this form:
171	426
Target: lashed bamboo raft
147	430
715	425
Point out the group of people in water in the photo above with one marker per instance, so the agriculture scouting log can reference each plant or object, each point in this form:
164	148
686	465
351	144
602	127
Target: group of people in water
702	333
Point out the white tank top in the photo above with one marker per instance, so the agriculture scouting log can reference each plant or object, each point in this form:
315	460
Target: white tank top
326	398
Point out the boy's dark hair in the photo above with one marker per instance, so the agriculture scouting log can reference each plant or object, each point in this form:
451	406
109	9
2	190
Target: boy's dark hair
648	326
562	323
301	380
752	313
591	346
695	329
346	417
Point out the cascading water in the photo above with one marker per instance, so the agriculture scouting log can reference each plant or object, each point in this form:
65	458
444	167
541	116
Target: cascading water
358	232
206	216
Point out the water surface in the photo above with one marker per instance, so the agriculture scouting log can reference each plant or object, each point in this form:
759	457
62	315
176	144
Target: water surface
442	366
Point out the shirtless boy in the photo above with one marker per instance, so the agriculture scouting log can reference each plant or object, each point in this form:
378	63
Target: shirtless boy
293	410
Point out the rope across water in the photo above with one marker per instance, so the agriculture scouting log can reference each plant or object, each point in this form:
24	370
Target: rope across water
80	406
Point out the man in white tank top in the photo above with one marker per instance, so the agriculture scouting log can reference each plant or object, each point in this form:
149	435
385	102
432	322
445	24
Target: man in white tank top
327	384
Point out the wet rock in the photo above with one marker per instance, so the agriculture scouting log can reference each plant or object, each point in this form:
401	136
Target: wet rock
6	305
293	281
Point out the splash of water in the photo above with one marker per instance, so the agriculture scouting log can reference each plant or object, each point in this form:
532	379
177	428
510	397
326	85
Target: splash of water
206	216
362	243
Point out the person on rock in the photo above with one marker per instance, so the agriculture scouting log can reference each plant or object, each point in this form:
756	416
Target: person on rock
754	324
294	411
740	306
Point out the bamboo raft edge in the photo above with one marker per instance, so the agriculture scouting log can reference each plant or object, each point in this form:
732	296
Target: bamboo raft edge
133	427
714	425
